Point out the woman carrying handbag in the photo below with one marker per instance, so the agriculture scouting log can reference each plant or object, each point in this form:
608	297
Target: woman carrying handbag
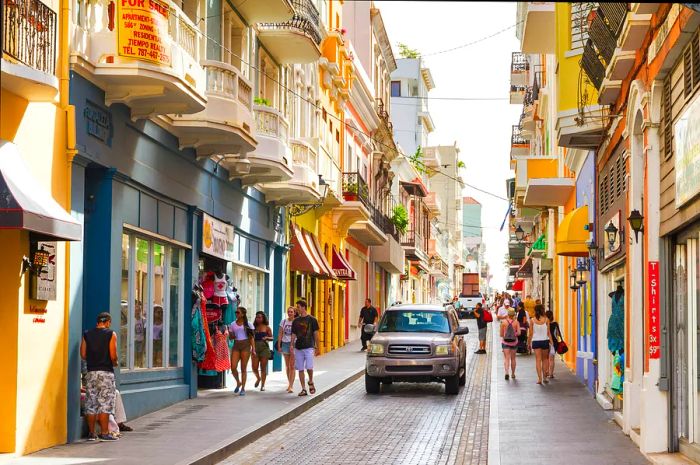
558	346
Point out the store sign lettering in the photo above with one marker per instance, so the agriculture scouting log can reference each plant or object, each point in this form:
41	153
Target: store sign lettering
217	238
143	30
44	280
98	123
654	322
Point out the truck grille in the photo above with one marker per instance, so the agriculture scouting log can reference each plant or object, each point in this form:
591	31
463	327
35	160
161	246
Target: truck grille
409	349
408	369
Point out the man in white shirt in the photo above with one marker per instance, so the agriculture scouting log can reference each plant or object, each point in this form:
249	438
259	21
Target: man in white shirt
503	311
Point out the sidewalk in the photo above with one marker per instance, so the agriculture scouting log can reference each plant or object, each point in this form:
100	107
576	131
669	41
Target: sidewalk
559	421
209	428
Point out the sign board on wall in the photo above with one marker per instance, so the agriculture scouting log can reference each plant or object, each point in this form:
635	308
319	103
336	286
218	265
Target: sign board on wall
686	132
654	322
143	30
44	282
217	238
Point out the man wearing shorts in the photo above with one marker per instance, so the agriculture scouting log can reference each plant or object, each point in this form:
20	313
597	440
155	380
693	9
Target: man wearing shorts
99	350
306	345
481	324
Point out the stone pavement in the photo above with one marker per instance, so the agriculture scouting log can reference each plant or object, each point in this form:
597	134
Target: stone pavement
551	423
212	426
405	424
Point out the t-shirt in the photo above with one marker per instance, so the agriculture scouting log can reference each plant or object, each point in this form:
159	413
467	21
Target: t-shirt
239	332
368	315
480	323
503	311
529	307
286	329
304	327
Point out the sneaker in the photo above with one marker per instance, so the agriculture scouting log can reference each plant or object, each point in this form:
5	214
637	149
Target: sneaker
363	349
92	437
238	388
242	393
108	437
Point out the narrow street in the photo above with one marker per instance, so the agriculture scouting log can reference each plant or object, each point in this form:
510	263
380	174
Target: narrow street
406	423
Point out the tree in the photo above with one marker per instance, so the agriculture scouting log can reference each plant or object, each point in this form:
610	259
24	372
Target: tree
407	52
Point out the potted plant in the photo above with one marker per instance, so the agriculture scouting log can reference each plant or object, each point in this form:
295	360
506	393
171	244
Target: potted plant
399	218
350	191
262	101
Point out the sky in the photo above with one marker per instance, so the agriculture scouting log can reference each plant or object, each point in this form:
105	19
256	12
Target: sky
482	129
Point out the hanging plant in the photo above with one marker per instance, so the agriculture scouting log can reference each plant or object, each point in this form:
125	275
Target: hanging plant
400	218
262	101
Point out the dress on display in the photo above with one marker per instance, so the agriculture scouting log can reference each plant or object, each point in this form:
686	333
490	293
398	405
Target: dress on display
199	344
616	323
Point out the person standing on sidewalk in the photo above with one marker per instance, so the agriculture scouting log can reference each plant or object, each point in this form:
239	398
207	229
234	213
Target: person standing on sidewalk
306	344
99	350
284	341
368	316
482	324
262	353
242	332
555	333
539	339
509	341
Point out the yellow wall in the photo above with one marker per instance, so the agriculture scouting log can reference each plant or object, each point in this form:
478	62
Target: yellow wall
34	363
546	168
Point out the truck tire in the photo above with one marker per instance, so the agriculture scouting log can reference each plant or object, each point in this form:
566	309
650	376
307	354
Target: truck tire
452	385
463	376
372	384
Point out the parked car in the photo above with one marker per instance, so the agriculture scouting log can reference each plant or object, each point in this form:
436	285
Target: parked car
417	343
467	304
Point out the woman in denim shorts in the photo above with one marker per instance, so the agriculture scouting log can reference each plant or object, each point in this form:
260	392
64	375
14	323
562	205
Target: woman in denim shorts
284	340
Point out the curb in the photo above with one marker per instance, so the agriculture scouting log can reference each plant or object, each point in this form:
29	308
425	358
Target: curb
228	447
494	451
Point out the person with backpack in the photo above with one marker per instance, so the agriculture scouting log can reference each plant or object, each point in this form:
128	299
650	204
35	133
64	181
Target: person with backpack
540	339
510	328
558	342
483	317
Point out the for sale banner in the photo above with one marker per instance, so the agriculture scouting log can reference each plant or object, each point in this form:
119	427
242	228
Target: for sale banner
143	30
654	323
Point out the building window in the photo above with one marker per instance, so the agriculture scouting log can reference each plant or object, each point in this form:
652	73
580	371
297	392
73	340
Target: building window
152	285
251	287
396	88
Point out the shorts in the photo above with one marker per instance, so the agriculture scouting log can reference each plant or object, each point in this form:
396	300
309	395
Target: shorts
286	347
219	300
482	334
540	345
505	346
262	350
304	359
241	346
101	392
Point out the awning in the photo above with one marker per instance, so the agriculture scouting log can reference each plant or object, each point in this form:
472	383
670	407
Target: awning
342	268
414	188
304	257
518	285
317	252
572	234
539	247
525	270
548	192
25	204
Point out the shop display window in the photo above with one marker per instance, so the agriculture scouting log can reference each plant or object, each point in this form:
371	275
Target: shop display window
150	334
251	287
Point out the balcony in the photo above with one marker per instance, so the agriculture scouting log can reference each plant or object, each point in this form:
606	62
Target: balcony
438	267
225	124
156	75
537	31
519	144
548	192
517	94
519	69
634	30
271	160
432	201
259	11
29	41
296	40
431	157
356	203
303	188
389	255
415	245
373	231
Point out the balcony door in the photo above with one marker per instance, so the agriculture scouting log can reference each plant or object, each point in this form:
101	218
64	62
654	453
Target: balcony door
234	35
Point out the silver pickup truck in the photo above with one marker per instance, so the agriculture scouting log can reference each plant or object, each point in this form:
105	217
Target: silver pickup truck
417	343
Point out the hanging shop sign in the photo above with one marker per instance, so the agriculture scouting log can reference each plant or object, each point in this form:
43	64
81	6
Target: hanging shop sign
654	313
143	30
217	238
686	139
44	272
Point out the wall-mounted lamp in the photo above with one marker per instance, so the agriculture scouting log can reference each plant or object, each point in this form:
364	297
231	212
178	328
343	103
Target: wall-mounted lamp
519	233
572	281
636	221
581	270
300	209
592	250
611	234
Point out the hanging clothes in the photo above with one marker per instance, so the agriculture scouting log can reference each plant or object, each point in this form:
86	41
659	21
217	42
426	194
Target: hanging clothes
223	359
616	323
230	311
618	375
199	344
209	362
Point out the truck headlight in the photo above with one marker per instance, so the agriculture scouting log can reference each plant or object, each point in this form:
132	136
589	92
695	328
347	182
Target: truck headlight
376	349
443	349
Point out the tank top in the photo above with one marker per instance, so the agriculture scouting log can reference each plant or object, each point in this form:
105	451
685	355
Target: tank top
97	345
539	331
220	286
239	332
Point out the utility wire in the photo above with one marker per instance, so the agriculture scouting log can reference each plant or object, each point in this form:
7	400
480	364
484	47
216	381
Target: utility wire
474	42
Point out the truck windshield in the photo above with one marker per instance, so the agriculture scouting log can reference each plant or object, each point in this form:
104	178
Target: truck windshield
414	321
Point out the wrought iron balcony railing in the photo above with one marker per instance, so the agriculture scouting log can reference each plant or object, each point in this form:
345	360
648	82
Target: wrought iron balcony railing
615	14
355	188
516	137
603	38
519	62
29	33
305	20
591	64
413	238
529	96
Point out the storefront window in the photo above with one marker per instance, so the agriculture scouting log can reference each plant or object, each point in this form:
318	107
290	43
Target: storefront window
251	287
151	292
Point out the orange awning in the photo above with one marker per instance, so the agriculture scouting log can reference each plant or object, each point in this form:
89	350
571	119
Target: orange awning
572	233
342	268
317	253
300	256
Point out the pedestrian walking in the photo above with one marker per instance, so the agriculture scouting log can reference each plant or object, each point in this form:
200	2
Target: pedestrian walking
540	339
482	324
242	332
555	333
284	340
368	316
509	341
529	306
503	310
99	350
306	344
524	322
262	353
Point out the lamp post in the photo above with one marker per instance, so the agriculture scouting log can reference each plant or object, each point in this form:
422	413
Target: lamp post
636	221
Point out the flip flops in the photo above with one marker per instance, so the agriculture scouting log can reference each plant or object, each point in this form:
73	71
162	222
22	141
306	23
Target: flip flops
312	388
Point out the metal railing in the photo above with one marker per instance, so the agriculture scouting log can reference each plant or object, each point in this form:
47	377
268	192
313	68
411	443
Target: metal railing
592	65
517	137
603	38
519	63
414	239
529	98
615	14
355	188
29	33
305	20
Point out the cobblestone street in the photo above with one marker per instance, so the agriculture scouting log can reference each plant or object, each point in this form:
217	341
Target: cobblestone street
407	424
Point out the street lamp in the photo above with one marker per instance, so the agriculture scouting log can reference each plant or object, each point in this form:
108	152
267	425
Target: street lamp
519	233
636	221
592	250
581	273
572	281
300	209
611	233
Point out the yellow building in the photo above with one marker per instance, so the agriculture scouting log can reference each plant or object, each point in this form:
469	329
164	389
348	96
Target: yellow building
36	142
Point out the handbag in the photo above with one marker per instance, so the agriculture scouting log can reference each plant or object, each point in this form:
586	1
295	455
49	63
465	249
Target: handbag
488	317
562	348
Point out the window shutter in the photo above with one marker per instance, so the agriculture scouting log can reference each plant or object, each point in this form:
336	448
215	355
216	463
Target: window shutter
665	309
667	120
695	58
687	72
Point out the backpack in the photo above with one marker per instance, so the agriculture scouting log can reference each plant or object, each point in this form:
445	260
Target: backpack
509	335
488	317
